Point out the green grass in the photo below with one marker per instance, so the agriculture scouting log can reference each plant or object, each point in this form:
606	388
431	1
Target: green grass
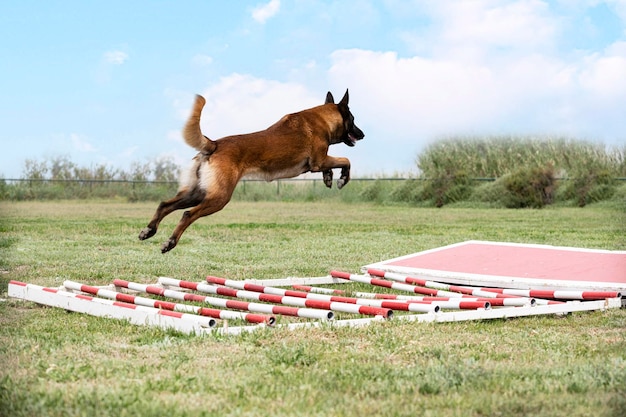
63	364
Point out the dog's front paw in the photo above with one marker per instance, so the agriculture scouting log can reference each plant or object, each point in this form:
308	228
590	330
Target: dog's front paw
341	182
328	178
147	233
168	245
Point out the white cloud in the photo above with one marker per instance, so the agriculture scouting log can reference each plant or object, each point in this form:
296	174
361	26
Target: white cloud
201	60
475	28
115	57
262	13
620	9
486	66
522	24
604	73
420	98
103	73
81	144
417	95
242	103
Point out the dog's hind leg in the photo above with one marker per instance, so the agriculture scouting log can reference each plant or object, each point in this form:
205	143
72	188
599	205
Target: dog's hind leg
183	199
190	216
212	203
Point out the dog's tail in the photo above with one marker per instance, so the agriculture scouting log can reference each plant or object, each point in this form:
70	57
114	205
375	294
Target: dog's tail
192	133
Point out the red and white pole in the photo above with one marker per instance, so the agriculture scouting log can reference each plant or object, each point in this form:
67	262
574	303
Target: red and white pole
309	313
404	287
166	305
495	302
295	298
557	294
388	284
202	321
319	290
100	307
371	307
448	290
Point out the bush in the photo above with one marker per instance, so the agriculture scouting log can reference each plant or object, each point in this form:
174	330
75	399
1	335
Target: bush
372	192
4	190
409	191
491	192
447	187
620	195
590	187
529	187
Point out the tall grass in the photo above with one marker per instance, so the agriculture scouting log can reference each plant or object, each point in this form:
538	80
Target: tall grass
526	168
496	156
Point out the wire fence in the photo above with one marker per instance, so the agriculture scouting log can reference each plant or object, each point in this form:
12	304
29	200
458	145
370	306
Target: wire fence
138	190
243	182
243	186
395	189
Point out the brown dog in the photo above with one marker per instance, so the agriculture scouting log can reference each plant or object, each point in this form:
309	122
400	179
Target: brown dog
296	144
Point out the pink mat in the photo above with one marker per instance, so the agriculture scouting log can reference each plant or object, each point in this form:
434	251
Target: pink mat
513	265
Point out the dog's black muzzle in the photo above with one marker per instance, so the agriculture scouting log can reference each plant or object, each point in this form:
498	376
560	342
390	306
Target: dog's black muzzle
353	135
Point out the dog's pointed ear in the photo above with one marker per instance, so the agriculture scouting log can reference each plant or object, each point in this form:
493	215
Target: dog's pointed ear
344	100
329	98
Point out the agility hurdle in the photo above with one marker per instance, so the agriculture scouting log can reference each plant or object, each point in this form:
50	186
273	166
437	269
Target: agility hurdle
458	291
444	316
220	302
499	302
500	292
380	306
190	323
557	294
185	308
311	313
409	288
139	315
295	301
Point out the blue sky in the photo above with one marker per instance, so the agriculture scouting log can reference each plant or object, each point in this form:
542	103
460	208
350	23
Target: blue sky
112	82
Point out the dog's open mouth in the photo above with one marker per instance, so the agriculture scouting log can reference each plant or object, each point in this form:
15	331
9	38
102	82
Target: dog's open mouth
352	139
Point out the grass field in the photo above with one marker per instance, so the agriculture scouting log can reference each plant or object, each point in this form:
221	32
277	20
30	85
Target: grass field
62	364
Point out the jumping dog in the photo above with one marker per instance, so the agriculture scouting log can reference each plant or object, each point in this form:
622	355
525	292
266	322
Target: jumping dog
296	144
